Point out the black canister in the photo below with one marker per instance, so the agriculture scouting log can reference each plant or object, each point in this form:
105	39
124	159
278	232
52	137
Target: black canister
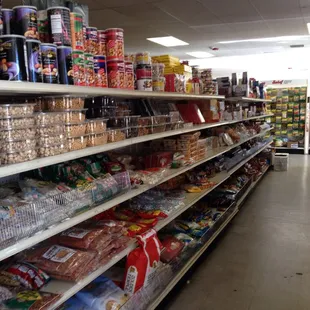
64	55
7	18
50	63
59	25
25	21
34	58
13	65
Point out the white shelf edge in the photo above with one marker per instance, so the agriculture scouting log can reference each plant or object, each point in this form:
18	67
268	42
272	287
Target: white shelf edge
72	288
51	160
25	88
248	99
190	263
45	234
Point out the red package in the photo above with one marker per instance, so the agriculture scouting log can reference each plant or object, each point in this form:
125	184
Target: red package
152	214
61	262
135	229
160	160
114	167
79	238
172	248
142	262
28	275
148	222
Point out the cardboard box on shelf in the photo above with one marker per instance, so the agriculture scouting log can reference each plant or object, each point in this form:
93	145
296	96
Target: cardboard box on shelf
292	145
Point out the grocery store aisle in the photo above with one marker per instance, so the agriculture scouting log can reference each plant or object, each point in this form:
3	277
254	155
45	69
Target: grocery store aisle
262	262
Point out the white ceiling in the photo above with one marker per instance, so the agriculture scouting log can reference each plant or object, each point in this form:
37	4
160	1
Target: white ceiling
203	23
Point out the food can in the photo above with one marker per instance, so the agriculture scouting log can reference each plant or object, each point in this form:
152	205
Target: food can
143	58
102	42
7	19
76	20
59	25
13	63
115	44
34	58
116	74
78	61
25	21
145	85
91	43
50	63
159	85
129	75
43	26
130	57
144	72
100	68
89	69
64	56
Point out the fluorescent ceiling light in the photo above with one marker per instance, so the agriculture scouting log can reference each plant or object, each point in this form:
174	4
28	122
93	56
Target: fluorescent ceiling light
308	25
271	39
168	41
200	54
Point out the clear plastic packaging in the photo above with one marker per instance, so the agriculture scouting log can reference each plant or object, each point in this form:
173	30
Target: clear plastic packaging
52	150
17	145
52	140
75	116
118	122
158	128
145	121
96	125
64	103
115	135
175	126
49	118
97	139
76	129
144	130
17	122
160	119
17	157
18	134
56	129
16	110
77	143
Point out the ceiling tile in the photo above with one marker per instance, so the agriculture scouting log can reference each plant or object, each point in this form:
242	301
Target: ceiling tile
189	12
230	11
273	9
146	12
287	27
123	3
103	19
94	4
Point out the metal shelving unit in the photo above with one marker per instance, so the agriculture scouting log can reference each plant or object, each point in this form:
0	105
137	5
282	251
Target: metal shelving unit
55	229
68	289
246	99
51	160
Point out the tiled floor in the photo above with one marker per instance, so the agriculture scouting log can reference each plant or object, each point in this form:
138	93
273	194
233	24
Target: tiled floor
263	260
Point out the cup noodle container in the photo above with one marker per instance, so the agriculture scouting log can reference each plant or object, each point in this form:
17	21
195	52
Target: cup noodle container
78	67
89	69
102	42
129	75
116	74
91	42
115	44
159	84
76	21
143	58
100	68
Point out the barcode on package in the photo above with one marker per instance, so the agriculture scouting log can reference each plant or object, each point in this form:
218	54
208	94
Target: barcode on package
56	23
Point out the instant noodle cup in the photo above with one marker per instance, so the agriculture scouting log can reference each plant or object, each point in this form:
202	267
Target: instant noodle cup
116	74
115	44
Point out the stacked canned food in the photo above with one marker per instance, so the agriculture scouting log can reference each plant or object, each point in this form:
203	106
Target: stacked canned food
144	71
158	77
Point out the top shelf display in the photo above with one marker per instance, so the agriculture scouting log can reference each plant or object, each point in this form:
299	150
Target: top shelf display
24	88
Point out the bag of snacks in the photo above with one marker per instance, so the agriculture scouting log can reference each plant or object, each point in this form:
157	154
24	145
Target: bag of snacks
102	294
61	262
28	275
172	248
142	262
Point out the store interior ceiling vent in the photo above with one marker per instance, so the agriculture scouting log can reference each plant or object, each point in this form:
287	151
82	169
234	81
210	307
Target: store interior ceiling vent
297	46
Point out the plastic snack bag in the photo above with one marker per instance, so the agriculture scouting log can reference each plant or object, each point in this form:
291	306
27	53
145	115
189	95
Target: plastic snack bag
142	262
102	294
